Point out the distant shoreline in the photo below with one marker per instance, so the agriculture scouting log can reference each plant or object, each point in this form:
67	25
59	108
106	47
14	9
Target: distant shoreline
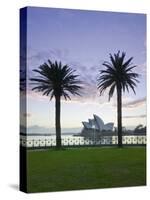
46	134
78	134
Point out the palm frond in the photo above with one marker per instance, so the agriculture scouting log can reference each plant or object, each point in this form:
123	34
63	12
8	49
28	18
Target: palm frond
117	72
55	79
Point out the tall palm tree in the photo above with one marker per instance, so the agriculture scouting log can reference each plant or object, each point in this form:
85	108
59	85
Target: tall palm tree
56	80
118	75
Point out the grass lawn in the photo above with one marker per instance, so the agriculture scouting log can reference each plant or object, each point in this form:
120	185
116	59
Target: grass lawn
85	168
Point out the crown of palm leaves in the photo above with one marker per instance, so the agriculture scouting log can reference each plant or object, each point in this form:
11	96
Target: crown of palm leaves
117	74
56	79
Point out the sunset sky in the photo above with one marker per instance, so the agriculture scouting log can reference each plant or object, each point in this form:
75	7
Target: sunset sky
83	40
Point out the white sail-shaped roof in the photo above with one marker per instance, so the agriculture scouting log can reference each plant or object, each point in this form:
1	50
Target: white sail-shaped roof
108	126
93	123
86	125
98	124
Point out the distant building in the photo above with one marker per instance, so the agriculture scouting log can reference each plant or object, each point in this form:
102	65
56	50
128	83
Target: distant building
96	124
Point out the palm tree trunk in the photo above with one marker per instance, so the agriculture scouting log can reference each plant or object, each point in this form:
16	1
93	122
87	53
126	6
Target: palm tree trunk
119	115
57	121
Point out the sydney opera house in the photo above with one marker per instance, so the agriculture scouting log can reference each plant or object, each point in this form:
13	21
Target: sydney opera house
96	124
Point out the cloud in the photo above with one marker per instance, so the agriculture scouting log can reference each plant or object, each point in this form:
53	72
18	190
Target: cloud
143	68
134	116
36	57
88	74
135	103
37	96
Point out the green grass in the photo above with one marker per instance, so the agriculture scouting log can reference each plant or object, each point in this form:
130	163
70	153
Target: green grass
85	168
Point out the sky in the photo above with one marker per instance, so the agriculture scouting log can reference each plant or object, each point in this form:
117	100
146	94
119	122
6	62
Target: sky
83	40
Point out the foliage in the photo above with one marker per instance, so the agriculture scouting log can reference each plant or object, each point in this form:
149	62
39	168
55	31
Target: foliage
56	79
117	73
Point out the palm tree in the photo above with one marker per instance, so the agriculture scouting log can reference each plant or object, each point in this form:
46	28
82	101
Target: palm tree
118	75
56	80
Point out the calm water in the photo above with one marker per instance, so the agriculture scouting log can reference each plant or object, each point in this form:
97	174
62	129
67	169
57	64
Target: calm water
36	141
